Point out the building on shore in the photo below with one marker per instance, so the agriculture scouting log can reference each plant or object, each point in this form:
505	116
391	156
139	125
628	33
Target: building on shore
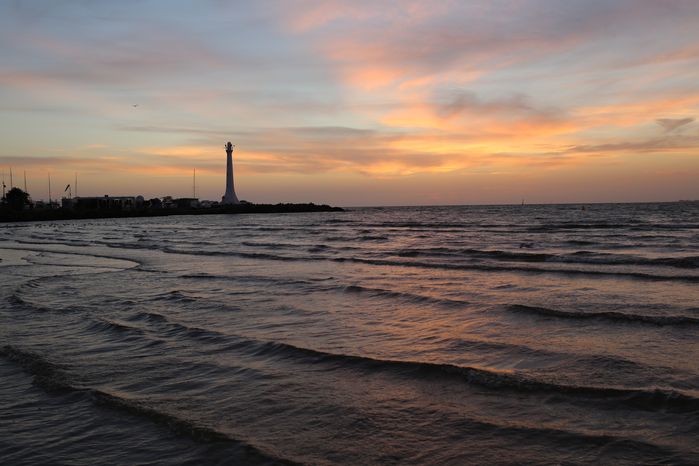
46	205
105	202
187	203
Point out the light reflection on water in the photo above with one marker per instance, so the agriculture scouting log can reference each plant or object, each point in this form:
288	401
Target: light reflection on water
494	335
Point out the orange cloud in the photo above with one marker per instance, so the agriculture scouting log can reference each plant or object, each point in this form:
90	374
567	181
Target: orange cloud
372	77
636	112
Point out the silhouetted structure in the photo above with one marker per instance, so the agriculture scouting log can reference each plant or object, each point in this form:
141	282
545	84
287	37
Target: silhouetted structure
107	203
18	206
17	199
229	197
187	203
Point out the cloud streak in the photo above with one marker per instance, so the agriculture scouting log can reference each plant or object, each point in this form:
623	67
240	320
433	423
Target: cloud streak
671	124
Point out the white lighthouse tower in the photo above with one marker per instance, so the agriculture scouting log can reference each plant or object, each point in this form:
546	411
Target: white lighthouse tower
229	197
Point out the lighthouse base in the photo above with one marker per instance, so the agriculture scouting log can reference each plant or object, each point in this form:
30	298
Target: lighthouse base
229	199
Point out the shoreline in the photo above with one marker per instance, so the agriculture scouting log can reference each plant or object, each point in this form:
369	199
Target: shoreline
8	216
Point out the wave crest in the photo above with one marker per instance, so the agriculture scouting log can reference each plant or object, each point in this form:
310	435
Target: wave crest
606	315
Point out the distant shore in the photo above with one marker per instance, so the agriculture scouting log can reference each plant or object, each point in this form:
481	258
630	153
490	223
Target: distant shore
7	215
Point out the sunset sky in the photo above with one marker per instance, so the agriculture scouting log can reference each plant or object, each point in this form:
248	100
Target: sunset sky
354	102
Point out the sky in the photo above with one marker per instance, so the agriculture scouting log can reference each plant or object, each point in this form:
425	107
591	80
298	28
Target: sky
354	102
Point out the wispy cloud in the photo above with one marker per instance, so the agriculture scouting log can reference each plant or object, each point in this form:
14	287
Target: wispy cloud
671	124
655	145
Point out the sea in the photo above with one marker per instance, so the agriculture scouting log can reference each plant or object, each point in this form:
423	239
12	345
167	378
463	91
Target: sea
456	335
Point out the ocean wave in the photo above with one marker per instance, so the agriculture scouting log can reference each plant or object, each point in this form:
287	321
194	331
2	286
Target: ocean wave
266	245
16	300
604	366
518	268
689	262
318	248
174	329
582	257
577	226
628	447
505	380
421	225
373	238
132	262
149	317
140	245
590	257
52	377
606	315
102	324
352	239
47	373
175	296
339	239
493	254
338	220
630	225
257	279
512	349
246	255
400	295
645	398
580	242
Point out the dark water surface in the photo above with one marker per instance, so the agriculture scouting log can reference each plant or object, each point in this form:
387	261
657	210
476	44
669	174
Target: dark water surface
440	335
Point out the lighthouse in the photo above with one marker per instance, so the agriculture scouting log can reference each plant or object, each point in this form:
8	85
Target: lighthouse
229	197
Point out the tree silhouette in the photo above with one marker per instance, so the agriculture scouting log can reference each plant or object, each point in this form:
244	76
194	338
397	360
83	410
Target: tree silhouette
16	199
